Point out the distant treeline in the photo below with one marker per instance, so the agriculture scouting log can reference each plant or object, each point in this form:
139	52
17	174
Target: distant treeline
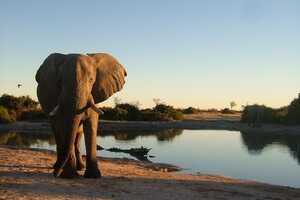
129	112
24	108
19	108
262	114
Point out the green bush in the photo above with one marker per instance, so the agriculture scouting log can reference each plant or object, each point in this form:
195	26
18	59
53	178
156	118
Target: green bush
133	112
13	115
171	112
114	114
19	108
280	115
263	114
17	103
4	116
293	115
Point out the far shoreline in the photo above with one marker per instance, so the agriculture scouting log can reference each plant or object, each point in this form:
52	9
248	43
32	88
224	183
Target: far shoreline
43	127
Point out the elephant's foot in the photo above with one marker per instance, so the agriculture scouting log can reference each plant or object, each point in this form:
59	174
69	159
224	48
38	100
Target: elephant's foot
80	165
92	172
69	173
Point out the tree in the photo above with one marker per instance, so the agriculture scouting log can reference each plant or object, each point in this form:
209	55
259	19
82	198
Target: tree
157	101
136	104
117	101
232	104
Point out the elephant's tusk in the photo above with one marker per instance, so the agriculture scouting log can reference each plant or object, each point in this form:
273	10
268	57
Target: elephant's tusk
54	111
97	110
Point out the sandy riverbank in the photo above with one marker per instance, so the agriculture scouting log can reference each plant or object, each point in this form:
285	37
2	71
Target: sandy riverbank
26	174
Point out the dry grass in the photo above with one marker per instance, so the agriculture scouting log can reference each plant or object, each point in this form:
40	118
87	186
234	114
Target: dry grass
213	116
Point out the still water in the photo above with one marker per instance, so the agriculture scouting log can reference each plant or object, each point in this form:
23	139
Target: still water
268	158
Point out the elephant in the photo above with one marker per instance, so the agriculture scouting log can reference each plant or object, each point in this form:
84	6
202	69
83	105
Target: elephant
70	88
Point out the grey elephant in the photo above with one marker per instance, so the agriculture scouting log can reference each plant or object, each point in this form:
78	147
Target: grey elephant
70	87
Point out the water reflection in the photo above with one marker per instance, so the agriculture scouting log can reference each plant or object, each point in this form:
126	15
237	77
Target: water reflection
25	139
256	143
29	139
162	136
214	152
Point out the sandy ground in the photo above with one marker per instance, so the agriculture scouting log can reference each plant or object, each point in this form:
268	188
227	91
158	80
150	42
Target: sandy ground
26	174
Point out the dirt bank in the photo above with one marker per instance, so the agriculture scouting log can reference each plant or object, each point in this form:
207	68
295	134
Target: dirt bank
26	174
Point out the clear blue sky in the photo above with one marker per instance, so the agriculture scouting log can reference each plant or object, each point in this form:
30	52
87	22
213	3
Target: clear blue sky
198	53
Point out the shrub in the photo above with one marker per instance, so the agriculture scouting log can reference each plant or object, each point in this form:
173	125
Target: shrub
227	111
133	112
264	114
293	115
114	114
177	115
17	103
190	110
280	116
169	111
13	115
4	116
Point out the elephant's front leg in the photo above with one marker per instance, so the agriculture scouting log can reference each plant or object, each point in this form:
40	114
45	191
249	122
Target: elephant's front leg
90	126
59	143
79	162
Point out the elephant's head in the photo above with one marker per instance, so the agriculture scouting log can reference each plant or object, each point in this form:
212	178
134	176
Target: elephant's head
70	84
76	82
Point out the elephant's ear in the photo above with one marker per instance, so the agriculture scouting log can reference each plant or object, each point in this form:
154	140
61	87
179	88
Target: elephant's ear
48	78
110	76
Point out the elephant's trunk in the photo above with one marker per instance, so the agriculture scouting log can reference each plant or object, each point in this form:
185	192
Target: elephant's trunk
72	132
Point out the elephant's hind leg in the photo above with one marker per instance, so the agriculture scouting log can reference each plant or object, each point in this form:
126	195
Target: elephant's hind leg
79	162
